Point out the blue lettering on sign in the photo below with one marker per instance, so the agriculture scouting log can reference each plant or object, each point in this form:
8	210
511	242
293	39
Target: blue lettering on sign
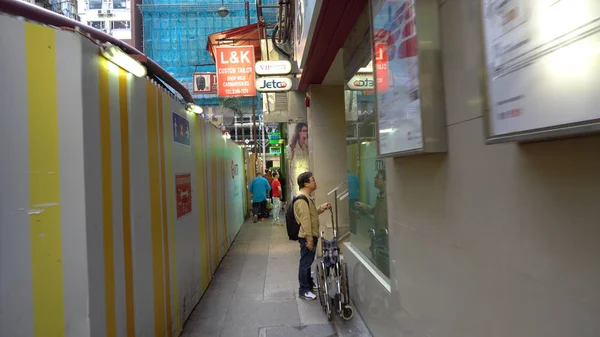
273	85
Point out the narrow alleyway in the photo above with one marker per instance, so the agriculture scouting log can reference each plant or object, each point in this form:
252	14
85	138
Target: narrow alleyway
254	293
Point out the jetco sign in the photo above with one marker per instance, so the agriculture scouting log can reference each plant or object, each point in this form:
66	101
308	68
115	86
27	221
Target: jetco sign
361	82
273	84
273	67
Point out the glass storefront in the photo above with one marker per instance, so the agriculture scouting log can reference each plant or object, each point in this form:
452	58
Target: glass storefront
366	181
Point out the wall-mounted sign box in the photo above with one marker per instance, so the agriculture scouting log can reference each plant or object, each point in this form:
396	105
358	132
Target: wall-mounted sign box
408	77
273	84
281	67
543	69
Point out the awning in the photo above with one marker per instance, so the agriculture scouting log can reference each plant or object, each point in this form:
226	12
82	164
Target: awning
249	35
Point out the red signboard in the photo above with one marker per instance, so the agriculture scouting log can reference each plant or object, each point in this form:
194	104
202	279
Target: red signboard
382	67
183	194
235	71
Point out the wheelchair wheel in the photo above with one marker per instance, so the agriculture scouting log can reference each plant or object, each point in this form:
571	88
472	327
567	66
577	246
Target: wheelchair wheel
320	280
347	312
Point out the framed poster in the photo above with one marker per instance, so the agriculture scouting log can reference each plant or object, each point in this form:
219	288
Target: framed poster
404	52
181	130
542	62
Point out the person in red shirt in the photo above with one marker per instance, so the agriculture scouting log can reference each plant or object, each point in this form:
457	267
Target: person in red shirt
276	193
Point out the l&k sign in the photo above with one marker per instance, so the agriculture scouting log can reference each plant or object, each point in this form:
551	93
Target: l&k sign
235	71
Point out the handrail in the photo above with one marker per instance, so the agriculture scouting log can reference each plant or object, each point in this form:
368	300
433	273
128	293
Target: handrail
47	17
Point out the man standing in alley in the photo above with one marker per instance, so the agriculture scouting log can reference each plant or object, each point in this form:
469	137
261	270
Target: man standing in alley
307	215
276	193
259	188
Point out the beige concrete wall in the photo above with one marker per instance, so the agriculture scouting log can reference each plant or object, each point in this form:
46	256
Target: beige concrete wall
488	240
327	144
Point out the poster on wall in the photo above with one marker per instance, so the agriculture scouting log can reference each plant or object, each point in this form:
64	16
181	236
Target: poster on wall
296	155
235	71
205	83
542	67
396	76
181	130
183	194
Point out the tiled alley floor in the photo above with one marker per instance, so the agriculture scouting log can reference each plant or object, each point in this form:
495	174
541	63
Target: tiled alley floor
254	293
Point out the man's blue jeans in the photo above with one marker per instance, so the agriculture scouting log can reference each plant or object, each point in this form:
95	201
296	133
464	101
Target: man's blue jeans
306	259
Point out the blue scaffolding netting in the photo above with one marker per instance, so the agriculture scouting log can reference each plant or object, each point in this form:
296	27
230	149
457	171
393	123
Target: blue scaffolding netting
176	33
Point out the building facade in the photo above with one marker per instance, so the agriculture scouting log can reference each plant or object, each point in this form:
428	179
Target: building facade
110	16
68	8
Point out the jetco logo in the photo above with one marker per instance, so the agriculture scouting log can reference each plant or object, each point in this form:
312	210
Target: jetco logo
273	84
273	67
362	82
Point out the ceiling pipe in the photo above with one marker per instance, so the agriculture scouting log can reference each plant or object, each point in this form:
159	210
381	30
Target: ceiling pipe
34	13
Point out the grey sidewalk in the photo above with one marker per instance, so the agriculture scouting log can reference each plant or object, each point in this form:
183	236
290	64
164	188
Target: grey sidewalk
254	293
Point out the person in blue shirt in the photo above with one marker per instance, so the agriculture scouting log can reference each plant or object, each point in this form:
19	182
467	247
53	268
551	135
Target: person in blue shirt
259	187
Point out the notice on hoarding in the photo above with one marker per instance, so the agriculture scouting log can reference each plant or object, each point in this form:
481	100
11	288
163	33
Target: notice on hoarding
235	71
397	77
183	194
543	62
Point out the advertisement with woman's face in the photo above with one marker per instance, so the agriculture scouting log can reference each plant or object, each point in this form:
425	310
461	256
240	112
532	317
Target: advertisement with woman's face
297	154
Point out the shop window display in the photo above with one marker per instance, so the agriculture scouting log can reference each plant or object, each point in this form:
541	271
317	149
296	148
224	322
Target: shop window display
366	183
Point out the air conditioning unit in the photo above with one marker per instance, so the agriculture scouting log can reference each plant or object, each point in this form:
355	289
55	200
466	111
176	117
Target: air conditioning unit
108	11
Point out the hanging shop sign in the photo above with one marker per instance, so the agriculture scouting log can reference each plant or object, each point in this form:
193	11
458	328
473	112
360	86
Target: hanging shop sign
273	67
205	83
542	68
273	84
235	71
274	138
183	194
361	82
274	149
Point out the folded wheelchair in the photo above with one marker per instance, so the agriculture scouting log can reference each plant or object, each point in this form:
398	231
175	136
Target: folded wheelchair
332	278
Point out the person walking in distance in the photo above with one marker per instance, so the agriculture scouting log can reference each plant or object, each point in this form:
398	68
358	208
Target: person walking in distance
307	215
259	187
276	192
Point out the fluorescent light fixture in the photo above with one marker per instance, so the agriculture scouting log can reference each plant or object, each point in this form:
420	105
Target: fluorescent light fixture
194	109
115	55
389	130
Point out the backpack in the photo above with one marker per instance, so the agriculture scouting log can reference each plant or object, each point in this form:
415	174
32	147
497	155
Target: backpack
293	227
